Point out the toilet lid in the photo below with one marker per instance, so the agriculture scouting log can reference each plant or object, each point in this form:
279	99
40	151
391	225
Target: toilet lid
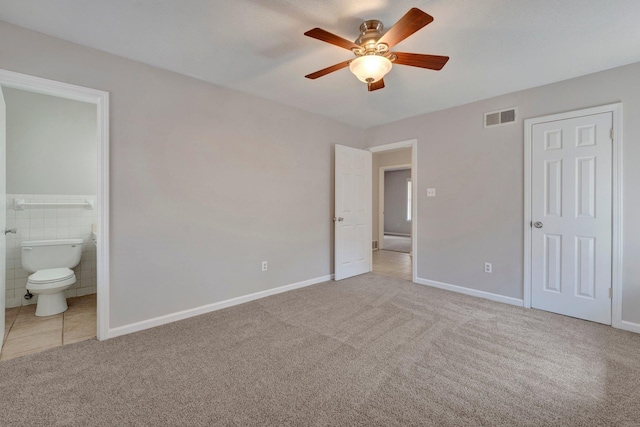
51	275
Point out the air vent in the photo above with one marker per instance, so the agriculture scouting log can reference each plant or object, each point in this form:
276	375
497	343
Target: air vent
499	118
374	245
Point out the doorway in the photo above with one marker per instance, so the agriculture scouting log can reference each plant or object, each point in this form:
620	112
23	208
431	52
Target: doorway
395	203
572	208
71	213
395	223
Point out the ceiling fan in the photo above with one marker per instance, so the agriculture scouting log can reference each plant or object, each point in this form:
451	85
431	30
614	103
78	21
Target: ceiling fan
373	58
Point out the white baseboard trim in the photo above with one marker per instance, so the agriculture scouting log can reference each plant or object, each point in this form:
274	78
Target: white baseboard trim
472	292
629	326
185	314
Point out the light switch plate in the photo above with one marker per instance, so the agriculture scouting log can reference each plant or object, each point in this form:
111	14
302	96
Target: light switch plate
431	192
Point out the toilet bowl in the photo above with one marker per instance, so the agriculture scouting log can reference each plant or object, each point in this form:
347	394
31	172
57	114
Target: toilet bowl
50	285
51	261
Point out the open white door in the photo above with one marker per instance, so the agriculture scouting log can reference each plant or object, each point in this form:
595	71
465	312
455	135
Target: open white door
3	211
352	212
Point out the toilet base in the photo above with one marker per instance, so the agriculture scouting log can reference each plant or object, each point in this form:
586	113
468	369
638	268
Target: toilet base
50	304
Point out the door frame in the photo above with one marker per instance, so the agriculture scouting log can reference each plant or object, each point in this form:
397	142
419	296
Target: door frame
616	202
413	144
101	100
382	170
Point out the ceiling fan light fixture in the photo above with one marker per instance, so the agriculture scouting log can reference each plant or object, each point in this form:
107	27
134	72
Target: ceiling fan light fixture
372	49
370	68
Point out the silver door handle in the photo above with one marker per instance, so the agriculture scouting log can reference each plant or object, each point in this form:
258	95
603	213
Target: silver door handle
537	224
338	219
11	230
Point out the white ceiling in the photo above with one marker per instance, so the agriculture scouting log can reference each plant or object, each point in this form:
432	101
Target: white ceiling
258	46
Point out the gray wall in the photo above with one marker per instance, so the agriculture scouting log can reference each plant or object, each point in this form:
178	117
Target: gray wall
205	182
395	202
51	144
478	214
384	158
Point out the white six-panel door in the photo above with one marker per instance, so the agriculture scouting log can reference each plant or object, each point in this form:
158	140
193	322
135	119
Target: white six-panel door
571	195
352	212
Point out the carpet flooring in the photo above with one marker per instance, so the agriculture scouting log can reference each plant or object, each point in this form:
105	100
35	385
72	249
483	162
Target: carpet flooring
366	351
397	243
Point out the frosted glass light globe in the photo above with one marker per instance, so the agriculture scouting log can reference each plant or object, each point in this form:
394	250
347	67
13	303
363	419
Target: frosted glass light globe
370	68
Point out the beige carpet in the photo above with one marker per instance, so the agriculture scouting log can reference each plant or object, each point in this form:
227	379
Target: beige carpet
367	351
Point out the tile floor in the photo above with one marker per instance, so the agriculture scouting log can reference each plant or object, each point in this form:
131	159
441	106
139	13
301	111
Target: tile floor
24	333
392	264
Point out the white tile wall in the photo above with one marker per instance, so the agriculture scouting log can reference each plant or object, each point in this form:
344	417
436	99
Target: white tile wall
35	223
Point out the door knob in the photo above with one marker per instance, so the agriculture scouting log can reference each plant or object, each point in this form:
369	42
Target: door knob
338	218
537	224
10	230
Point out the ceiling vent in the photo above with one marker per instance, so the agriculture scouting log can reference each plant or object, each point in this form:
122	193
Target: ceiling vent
499	118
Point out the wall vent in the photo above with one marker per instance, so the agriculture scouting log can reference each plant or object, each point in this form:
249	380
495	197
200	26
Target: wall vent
499	118
374	245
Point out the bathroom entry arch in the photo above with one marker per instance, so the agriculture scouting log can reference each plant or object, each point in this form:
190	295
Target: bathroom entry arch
101	100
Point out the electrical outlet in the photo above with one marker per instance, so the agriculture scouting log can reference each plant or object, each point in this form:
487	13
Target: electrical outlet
264	265
487	267
431	192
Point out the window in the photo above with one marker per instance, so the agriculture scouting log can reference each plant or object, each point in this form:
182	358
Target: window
408	199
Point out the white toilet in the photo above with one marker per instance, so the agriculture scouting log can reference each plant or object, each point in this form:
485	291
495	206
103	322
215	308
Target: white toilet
51	262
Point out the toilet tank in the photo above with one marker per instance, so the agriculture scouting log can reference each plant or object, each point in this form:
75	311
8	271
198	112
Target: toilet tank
44	254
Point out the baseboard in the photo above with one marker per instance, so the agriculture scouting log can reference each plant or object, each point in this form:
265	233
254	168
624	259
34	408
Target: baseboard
472	292
185	314
629	326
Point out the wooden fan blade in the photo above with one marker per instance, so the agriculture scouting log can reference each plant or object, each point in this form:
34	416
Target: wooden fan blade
432	62
328	70
411	22
376	85
326	36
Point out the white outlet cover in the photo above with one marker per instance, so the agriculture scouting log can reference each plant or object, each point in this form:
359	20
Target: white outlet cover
431	192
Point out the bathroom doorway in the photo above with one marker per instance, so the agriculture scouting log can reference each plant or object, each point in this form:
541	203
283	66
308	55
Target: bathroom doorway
56	175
